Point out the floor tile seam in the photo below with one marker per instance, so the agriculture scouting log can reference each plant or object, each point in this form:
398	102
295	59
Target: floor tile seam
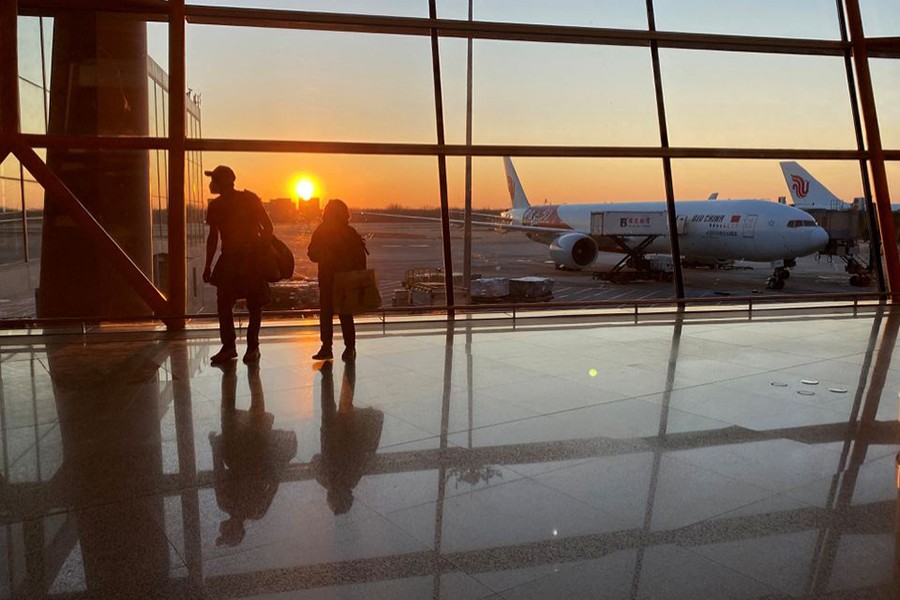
466	429
578	501
499	593
243	551
487	488
772	589
769	493
447	496
782	490
576	463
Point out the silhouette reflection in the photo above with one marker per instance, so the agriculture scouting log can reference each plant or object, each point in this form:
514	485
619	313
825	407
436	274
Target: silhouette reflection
349	439
248	457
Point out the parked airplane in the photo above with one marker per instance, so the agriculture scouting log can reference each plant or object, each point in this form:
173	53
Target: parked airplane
753	230
709	231
807	192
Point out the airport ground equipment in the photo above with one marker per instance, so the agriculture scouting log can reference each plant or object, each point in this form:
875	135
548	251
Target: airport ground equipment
633	232
846	228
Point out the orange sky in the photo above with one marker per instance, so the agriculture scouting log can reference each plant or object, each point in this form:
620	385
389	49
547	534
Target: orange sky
310	85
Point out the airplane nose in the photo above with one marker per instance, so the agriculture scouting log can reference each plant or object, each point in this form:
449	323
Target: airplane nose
818	239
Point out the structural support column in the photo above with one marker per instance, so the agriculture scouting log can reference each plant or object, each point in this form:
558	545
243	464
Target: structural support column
876	152
177	213
674	243
442	163
9	75
872	216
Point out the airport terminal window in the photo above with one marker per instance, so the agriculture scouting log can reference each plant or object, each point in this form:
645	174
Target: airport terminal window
34	216
12	242
823	242
811	19
729	99
880	17
312	85
545	94
886	84
31	99
29	48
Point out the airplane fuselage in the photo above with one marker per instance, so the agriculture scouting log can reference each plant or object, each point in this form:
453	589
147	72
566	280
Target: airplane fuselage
754	230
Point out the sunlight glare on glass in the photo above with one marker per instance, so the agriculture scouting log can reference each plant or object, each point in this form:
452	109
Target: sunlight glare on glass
304	189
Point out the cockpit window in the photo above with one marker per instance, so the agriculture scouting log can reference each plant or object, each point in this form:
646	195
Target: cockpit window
801	223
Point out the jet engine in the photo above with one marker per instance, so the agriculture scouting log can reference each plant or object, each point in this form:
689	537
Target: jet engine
573	250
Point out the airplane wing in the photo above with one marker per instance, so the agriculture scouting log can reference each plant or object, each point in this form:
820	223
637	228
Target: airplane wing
505	226
478	214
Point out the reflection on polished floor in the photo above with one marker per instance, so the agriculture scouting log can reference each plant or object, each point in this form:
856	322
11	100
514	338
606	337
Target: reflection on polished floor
751	459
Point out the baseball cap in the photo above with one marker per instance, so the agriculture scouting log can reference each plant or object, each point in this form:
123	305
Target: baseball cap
221	173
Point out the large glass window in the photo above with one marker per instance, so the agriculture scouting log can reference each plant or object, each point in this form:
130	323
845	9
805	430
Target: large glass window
34	216
311	85
886	85
12	238
548	94
745	100
880	17
283	84
773	227
394	202
611	241
795	19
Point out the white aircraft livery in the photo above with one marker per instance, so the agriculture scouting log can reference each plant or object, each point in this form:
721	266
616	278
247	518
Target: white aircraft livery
753	230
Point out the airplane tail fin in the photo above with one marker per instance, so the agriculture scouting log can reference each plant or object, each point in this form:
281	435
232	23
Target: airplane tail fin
516	193
806	191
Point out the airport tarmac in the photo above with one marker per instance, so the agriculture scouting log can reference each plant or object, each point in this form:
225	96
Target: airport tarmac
396	247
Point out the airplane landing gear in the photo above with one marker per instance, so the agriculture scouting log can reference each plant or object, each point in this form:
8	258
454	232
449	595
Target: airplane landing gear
776	281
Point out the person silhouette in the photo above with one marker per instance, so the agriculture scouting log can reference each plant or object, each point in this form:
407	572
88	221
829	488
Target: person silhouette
349	437
243	224
337	248
248	457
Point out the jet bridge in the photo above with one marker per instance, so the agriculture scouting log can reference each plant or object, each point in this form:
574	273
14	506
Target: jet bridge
633	232
846	228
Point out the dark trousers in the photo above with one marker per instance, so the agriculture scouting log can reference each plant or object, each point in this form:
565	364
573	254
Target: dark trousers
225	306
326	317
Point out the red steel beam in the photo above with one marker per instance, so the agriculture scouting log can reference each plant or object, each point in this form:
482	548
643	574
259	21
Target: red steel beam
875	150
177	214
9	72
95	232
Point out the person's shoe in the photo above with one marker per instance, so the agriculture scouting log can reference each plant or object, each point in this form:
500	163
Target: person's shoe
223	356
251	355
348	354
324	353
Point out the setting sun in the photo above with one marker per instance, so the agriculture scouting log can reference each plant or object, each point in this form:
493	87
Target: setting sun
304	188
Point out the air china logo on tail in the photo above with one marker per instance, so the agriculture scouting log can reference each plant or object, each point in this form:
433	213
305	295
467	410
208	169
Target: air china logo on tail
800	186
511	186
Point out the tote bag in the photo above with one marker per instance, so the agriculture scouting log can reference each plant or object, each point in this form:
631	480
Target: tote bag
356	292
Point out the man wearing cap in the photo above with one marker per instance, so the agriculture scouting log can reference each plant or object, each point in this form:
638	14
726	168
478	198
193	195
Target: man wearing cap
242	222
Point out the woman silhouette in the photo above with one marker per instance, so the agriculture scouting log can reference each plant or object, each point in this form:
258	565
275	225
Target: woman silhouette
337	248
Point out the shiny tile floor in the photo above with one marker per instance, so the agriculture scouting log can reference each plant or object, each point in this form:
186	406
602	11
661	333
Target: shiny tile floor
678	460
